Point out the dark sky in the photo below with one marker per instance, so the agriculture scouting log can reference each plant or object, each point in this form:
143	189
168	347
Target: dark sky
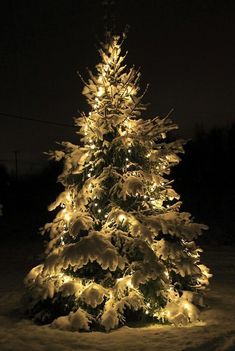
185	50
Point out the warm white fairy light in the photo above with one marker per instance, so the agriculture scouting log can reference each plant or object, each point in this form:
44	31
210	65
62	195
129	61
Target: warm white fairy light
122	218
99	210
166	274
67	216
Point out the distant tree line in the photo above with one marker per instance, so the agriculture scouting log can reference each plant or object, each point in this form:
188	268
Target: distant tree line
205	180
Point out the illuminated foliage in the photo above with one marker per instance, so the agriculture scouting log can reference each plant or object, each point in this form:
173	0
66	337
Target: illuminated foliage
118	241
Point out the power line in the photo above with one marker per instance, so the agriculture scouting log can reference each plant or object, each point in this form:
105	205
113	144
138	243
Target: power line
36	120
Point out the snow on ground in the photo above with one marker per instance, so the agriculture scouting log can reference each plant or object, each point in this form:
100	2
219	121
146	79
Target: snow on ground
215	331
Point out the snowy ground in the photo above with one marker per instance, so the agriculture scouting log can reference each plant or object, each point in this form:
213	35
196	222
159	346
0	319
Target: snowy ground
215	331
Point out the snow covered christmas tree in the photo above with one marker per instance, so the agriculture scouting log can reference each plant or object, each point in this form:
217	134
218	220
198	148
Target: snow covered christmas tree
120	248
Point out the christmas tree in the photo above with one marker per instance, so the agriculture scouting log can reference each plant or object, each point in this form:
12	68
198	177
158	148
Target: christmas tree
119	247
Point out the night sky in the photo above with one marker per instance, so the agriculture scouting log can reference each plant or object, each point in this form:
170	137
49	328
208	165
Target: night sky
185	50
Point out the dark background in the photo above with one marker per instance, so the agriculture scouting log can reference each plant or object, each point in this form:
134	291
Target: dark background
186	52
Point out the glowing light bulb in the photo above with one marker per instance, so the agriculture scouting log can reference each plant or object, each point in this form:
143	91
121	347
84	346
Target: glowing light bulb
106	215
96	204
89	175
127	166
145	196
127	159
129	284
186	305
68	196
67	217
100	91
99	210
121	218
93	146
129	150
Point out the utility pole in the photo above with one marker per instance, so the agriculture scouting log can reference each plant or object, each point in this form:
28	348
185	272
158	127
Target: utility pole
16	164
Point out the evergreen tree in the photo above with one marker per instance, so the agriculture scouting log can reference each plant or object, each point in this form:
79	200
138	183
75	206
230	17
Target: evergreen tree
119	248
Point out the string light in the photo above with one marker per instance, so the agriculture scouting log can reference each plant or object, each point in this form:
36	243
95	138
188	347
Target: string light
67	217
99	210
121	218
